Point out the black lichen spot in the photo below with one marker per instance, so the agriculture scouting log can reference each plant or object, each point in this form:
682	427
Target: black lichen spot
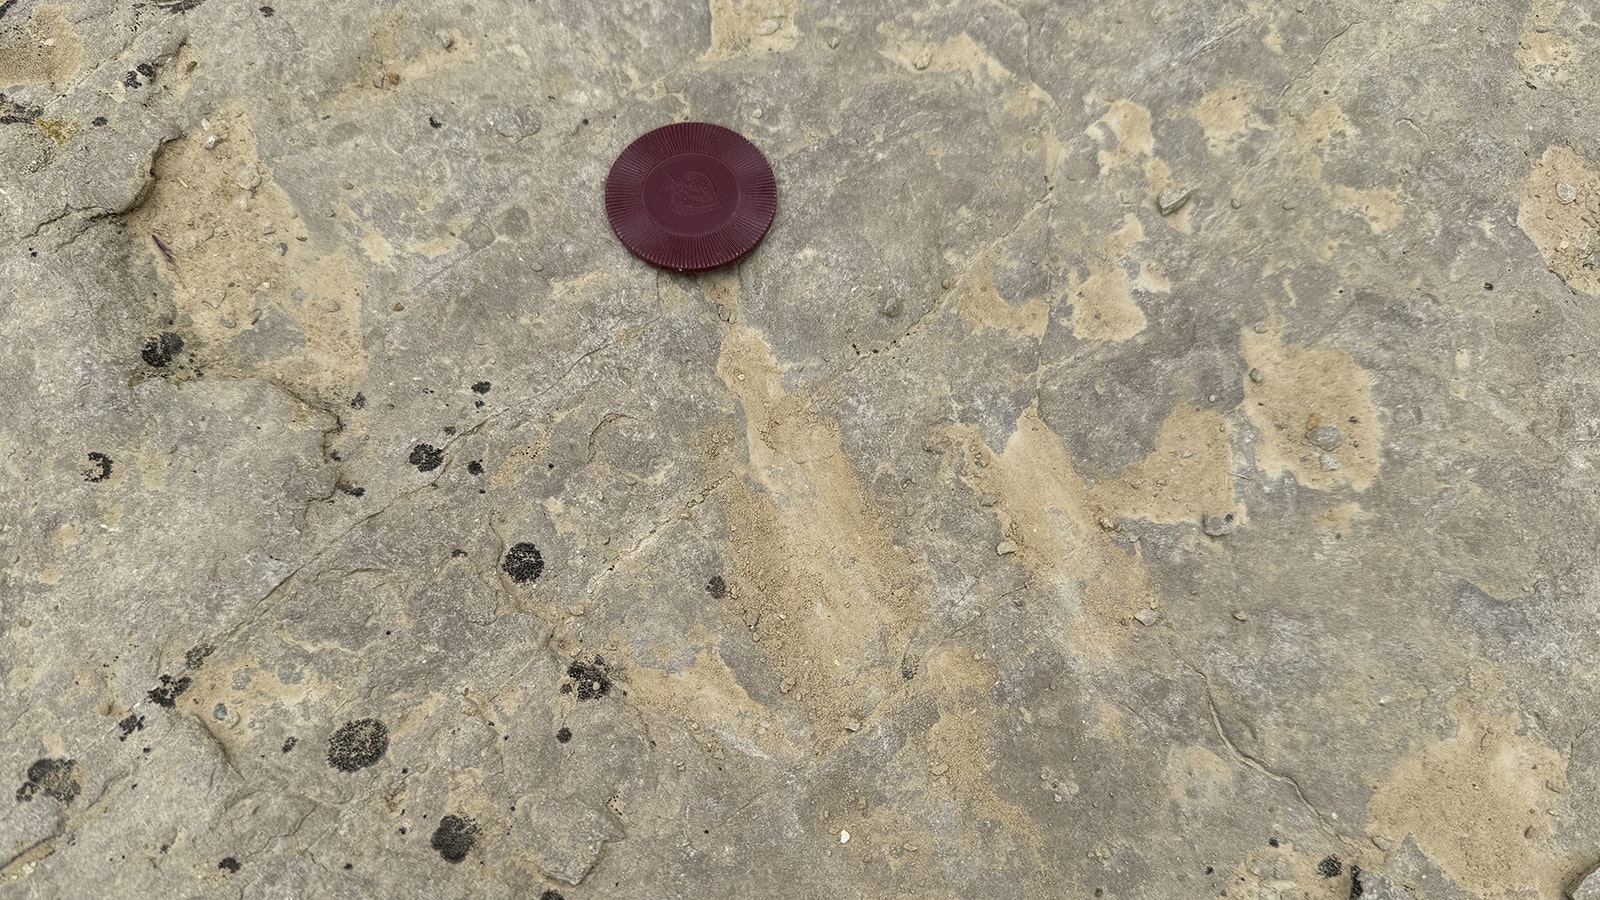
130	723
166	693
196	657
551	895
564	735
1356	887
450	430
229	863
131	79
359	401
145	69
523	562
1330	867
592	679
475	467
477	404
53	777
161	349
98	121
1209	870
14	113
267	11
99	467
454	837
289	744
1272	841
717	588
481	387
435	122
358	744
352	490
426	457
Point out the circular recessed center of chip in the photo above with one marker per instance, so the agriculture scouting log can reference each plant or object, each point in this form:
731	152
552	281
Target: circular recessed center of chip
691	197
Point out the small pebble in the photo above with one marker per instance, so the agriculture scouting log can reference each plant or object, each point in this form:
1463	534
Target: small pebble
1172	199
1219	525
1255	375
923	60
1240	615
756	113
786	685
833	42
851	725
1005	547
1147	616
212	141
1329	464
249	177
844	836
1566	193
1325	437
766	27
1235	203
939	769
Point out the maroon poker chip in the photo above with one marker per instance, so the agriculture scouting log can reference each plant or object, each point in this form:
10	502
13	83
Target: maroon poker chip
691	197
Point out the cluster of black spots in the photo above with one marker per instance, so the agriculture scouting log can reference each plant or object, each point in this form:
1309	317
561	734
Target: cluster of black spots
523	562
161	349
551	895
289	744
475	467
358	744
351	490
52	777
1330	867
267	11
1209	870
426	457
14	113
359	401
196	657
454	837
591	679
717	588
1356	887
129	724
99	467
229	863
481	387
166	693
435	122
564	735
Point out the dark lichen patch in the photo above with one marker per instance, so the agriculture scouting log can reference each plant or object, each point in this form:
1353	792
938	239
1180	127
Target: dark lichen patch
475	467
14	113
267	11
358	744
166	693
523	562
551	895
52	777
591	680
564	735
130	723
454	837
1356	887
99	467
161	349
196	657
229	863
717	587
351	490
426	457
1330	867
481	387
359	401
289	744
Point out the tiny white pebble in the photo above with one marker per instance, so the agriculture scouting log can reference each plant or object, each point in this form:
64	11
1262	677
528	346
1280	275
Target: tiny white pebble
844	837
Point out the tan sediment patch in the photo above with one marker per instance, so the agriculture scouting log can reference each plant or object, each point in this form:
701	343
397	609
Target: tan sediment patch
979	302
1129	124
1196	777
1544	54
45	49
1301	388
1313	133
812	564
1338	520
1476	803
1048	511
1380	206
237	255
1225	114
1284	871
1564	232
750	27
706	693
1101	293
957	54
1186	476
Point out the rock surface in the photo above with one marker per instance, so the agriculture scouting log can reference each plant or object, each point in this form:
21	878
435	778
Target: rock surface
375	525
